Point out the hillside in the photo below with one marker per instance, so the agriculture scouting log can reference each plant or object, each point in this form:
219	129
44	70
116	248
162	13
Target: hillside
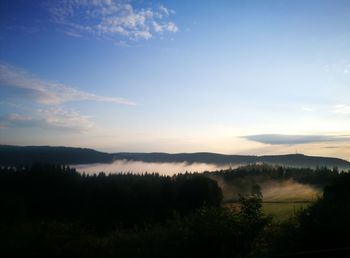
16	155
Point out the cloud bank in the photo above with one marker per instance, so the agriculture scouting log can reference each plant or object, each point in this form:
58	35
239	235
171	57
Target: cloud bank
47	92
342	109
50	96
57	118
275	139
111	19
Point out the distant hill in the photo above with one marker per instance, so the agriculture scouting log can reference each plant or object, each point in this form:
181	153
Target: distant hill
17	155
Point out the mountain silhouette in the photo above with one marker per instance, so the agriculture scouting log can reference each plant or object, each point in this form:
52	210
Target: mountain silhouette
25	155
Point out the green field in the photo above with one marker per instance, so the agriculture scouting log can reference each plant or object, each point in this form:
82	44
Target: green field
283	210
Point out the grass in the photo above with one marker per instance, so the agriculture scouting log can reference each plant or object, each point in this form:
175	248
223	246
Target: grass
281	211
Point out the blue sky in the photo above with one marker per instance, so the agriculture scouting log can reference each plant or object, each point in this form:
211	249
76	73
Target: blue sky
247	77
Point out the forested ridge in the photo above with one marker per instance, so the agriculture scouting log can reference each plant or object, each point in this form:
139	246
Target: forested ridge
27	155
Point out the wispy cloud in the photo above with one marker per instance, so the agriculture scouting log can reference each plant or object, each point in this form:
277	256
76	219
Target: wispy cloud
342	109
308	109
294	139
47	92
53	118
111	19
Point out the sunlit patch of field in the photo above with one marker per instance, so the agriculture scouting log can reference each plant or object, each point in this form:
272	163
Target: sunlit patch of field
289	191
283	199
281	211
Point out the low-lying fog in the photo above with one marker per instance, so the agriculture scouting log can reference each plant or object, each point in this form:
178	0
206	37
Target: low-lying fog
286	190
138	167
272	190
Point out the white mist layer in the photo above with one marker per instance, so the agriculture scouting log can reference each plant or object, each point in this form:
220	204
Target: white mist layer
288	190
139	167
272	190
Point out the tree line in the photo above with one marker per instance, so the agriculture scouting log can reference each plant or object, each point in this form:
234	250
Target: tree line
100	200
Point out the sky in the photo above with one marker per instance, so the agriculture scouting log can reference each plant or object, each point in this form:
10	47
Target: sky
236	77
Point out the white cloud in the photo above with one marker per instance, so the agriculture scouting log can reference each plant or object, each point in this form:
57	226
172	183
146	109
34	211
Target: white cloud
47	92
59	117
111	19
73	34
346	69
342	109
164	10
164	27
307	109
276	139
54	118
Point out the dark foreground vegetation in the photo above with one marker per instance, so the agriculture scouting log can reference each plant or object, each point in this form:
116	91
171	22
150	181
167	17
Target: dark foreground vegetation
53	211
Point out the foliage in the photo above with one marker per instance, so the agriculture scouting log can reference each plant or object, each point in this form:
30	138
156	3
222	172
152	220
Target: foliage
323	225
208	232
52	211
100	201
